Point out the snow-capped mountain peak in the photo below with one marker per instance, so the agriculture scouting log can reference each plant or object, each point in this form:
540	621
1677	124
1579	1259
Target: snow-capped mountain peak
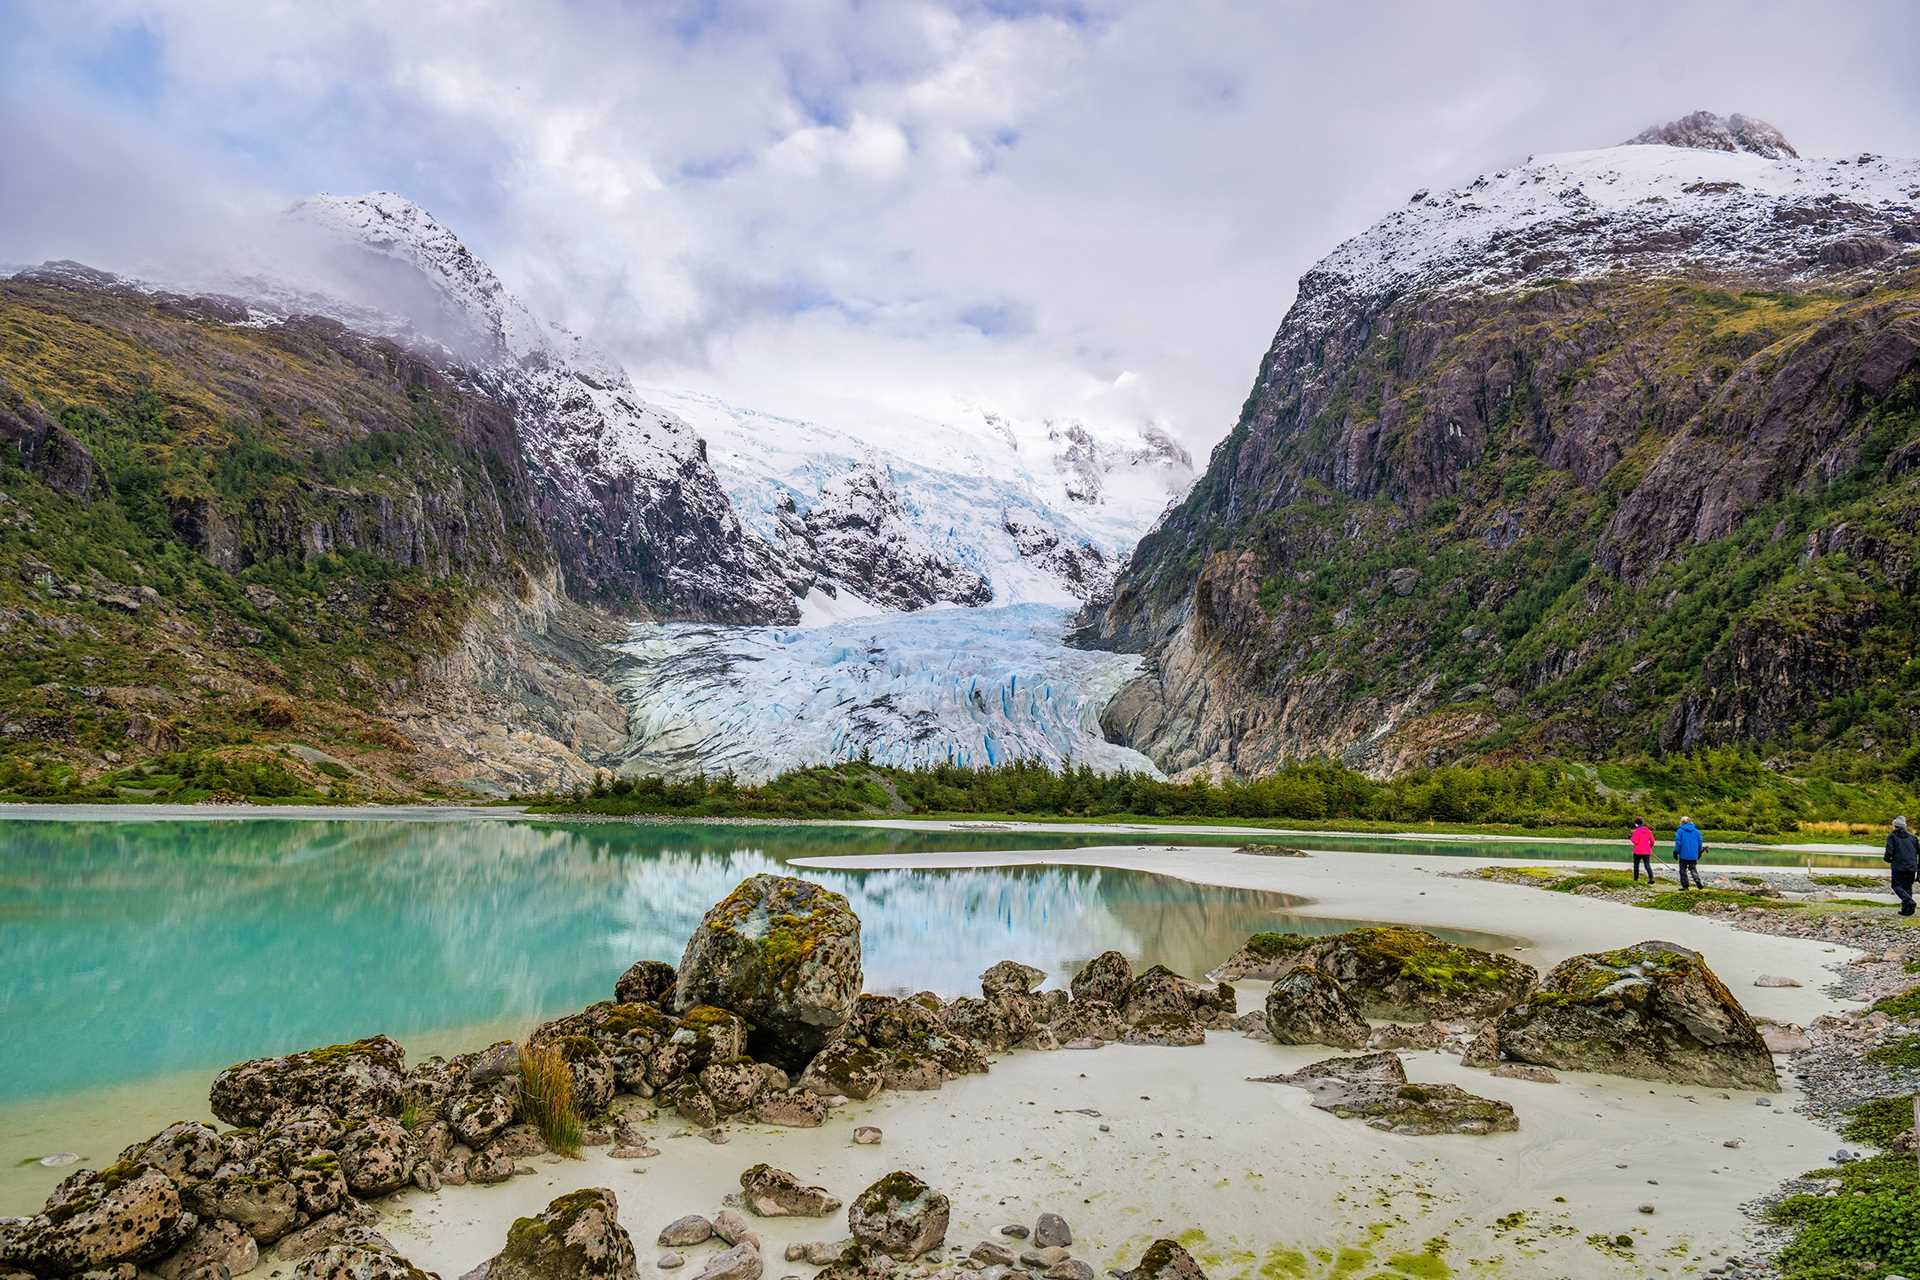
1706	131
1674	201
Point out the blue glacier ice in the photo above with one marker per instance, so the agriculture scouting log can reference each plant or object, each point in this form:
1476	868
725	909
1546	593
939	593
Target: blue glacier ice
961	686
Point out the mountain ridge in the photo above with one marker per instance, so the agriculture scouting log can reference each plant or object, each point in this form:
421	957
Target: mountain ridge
1505	433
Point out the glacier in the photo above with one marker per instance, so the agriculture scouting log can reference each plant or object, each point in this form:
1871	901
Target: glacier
981	686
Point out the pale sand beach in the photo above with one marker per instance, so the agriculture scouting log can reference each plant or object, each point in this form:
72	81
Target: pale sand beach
1257	1181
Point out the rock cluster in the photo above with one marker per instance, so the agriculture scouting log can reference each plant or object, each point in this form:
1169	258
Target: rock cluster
1374	1088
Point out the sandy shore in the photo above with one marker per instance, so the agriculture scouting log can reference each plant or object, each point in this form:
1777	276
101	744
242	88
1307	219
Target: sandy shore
1267	1185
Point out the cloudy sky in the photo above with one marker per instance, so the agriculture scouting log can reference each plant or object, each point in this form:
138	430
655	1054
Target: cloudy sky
1086	207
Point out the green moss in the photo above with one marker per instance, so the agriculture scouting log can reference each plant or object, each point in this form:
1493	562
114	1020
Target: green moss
1273	945
1443	967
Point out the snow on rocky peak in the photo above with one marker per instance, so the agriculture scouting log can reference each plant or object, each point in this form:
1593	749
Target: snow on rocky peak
1042	511
1673	201
1710	132
633	505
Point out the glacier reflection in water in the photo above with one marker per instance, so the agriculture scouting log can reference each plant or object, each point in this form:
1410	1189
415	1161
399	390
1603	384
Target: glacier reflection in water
134	949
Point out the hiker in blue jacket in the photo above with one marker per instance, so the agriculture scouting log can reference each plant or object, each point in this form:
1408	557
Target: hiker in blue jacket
1687	844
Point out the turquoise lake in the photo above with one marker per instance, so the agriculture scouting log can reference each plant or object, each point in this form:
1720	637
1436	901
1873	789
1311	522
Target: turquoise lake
139	957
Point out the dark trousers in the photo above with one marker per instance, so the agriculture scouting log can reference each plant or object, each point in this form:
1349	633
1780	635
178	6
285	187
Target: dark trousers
1903	890
1643	861
1689	867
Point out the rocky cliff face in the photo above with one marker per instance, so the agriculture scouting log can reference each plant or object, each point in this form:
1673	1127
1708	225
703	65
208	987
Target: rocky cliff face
283	543
1611	451
637	517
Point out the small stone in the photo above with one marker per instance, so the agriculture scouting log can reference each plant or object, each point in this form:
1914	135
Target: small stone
1015	1229
1051	1229
1070	1269
60	1159
731	1227
681	1232
1775	980
1646	1208
991	1254
1734	1143
668	1261
866	1136
742	1262
1042	1258
641	1152
1763	1102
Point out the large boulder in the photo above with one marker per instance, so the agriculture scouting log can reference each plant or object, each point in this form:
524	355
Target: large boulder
358	1080
782	953
1409	975
377	1157
900	1216
213	1247
1653	1011
1375	1088
186	1151
647	982
360	1255
576	1237
1305	1006
1105	977
1265	956
98	1218
253	1192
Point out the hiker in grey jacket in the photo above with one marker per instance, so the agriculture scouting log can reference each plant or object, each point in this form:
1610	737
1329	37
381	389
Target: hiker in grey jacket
1903	853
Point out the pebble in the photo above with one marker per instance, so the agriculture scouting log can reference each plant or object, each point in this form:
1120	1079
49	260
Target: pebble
641	1152
866	1136
1015	1229
1646	1208
668	1261
60	1159
1051	1229
1734	1143
718	1137
1041	1259
993	1255
1070	1269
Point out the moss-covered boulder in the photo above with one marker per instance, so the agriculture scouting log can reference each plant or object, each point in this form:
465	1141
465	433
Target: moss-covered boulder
1160	994
1652	1011
254	1192
847	1068
364	1078
1409	975
576	1237
1305	1006
1164	1260
782	953
1265	956
1106	977
377	1157
914	1026
900	1216
186	1151
214	1248
128	1212
478	1115
1374	1088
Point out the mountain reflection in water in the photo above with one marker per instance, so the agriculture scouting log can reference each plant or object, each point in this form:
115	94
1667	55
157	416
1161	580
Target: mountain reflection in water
134	949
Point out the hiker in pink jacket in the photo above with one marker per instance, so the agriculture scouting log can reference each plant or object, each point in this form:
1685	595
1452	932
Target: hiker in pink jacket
1642	839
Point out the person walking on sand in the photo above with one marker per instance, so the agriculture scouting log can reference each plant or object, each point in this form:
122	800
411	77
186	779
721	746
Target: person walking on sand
1642	839
1903	852
1687	844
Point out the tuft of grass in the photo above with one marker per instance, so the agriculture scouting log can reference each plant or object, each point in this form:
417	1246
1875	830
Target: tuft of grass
413	1115
546	1098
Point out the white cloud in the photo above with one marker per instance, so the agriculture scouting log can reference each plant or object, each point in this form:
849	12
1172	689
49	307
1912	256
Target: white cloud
1098	208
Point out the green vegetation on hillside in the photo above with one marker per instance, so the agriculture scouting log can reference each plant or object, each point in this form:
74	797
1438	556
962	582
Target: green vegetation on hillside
1527	796
227	591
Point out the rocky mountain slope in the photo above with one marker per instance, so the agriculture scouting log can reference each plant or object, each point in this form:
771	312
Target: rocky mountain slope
1610	452
276	557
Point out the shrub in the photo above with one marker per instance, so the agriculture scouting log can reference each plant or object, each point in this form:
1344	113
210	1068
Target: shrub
546	1098
1879	1120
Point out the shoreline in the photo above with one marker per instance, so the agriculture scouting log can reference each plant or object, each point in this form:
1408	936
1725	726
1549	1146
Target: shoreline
1248	1175
137	812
